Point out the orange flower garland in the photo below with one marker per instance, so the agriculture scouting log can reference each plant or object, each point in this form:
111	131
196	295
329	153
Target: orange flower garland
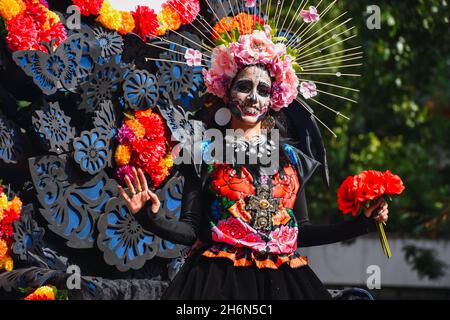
243	22
143	21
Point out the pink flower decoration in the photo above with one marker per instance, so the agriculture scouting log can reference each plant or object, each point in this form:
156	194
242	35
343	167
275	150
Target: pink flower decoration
223	61
310	15
250	3
193	57
125	135
284	240
124	171
308	89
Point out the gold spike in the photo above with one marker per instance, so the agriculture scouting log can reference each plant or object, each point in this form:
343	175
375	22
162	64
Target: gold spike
218	20
335	67
167	49
332	60
305	44
331	109
326	55
294	19
286	15
299	32
177	44
172	61
337	74
315	117
337	96
323	14
331	84
192	24
192	41
331	45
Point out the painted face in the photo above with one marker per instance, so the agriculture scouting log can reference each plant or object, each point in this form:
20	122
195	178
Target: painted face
250	94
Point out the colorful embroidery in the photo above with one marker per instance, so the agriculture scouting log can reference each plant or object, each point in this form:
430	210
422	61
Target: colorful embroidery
254	222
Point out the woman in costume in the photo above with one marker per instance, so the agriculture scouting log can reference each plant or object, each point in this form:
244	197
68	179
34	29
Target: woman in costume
246	221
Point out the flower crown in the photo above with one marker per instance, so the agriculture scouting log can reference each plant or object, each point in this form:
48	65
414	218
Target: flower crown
244	41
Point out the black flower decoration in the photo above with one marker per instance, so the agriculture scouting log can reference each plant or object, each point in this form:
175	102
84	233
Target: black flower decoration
110	42
11	149
91	151
53	127
141	90
102	83
181	80
123	241
28	236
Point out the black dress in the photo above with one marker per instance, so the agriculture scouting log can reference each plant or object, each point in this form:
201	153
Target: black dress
216	270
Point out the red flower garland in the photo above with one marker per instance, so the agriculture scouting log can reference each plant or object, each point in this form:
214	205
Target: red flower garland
145	21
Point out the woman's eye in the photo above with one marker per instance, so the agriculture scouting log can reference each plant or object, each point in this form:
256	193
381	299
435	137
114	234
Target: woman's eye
264	91
243	88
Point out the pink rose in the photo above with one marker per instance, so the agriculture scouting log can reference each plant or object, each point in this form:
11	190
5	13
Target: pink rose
216	84
284	240
223	62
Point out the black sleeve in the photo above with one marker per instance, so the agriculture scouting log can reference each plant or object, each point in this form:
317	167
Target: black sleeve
315	235
184	231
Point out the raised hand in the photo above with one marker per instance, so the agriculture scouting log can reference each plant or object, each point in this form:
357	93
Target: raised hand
140	193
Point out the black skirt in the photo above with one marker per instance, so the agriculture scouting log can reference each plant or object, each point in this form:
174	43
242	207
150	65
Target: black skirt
203	278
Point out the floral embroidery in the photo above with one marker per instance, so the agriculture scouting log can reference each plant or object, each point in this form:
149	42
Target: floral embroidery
233	223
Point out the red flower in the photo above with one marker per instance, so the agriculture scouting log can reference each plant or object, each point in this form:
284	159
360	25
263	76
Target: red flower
88	7
22	33
226	182
146	21
393	183
370	185
188	10
347	201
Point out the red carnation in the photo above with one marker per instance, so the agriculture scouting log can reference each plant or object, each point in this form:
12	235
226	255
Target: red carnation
393	183
370	185
188	10
347	200
145	21
22	33
88	7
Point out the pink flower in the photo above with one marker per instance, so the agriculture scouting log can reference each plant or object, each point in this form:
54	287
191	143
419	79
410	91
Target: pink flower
308	89
193	57
125	135
124	171
310	15
284	240
216	84
235	232
250	3
222	61
257	48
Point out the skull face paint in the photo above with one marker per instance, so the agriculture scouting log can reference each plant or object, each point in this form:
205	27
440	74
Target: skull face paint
250	94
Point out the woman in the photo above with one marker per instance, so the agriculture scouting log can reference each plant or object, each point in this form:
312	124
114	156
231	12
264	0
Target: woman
246	223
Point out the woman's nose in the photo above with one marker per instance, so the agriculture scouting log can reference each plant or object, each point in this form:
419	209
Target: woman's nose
253	97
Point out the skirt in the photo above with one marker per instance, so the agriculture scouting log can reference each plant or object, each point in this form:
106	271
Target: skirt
203	278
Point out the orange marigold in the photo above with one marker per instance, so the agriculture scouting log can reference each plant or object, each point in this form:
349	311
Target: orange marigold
123	155
169	18
127	25
16	204
3	249
246	22
109	17
7	263
225	25
11	8
137	128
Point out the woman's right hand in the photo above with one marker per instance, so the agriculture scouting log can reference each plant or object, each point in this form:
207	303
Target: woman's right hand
140	193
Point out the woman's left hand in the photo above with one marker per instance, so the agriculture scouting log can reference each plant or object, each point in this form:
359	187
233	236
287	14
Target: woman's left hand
378	211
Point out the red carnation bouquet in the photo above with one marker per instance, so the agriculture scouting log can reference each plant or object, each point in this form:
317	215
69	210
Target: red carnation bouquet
367	188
